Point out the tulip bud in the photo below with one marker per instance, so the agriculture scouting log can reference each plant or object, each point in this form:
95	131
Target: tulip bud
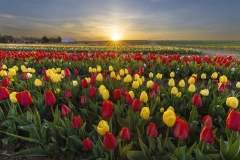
204	92
221	87
179	94
110	68
172	74
125	134
136	105
144	97
135	85
65	110
87	144
49	98
117	94
207	135
159	76
67	72
4	93
181	83
107	109
83	100
68	94
203	76
13	98
102	127
99	77
74	83
174	90
191	80
171	82
92	92
105	94
24	98
128	98
181	129
232	120
161	109
109	141
150	84
169	117
5	82
238	84
223	79
38	82
152	130
232	102
150	75
197	100
207	121
76	122
84	83
192	88
214	75
145	113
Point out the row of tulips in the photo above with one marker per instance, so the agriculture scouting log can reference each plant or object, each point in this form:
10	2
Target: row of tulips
120	113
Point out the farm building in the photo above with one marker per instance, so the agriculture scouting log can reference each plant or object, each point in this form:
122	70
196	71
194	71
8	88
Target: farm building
67	40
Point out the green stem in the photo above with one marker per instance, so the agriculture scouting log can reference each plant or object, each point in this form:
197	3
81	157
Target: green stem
112	154
165	141
231	139
178	145
30	110
20	109
202	147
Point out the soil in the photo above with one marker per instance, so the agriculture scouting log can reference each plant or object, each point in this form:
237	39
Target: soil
13	148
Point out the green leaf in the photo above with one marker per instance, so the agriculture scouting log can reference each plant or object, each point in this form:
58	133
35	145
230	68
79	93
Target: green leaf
75	144
135	155
24	138
2	117
159	144
223	147
171	146
37	151
233	150
144	148
180	153
190	150
36	118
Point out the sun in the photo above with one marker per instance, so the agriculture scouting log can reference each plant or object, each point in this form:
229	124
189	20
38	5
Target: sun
115	37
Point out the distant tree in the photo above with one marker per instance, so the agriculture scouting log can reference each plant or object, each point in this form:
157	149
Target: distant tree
6	39
45	39
59	39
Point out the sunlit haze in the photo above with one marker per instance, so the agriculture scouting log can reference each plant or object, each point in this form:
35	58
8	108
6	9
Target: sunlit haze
130	19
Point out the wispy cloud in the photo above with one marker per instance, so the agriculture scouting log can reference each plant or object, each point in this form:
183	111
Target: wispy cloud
7	16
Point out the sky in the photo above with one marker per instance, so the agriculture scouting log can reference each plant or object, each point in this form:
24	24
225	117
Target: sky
130	19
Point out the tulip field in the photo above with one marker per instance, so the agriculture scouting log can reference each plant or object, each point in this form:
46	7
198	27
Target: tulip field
101	104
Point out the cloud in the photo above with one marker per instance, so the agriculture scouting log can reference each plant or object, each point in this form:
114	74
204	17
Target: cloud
68	25
7	16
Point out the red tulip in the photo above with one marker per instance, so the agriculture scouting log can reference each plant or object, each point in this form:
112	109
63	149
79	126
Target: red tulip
155	87
44	71
125	134
5	82
67	72
207	135
181	129
75	71
207	121
83	100
24	98
117	94
233	119
152	94
92	92
228	83
109	141
128	98
65	110
93	80
68	94
122	89
84	83
197	100
76	122
87	144
222	88
215	81
49	98
136	105
107	109
152	130
4	93
46	78
24	76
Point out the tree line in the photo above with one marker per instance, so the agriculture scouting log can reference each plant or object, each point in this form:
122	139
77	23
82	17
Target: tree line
24	39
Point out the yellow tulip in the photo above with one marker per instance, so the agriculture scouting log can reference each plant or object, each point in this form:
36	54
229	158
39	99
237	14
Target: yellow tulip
179	94
94	70
49	72
172	74
99	77
23	67
145	113
105	94
181	83
174	90
192	88
33	70
101	88
112	74
169	118
143	97
3	73
140	81
74	83
135	85
171	82
88	79
136	76
55	71
58	70
29	75
232	102
62	73
161	109
57	90
238	84
118	78
170	108
38	82
4	67
191	80
125	71
143	78
204	92
121	72
55	78
127	79
90	70
150	84
159	76
203	76
102	127
15	67
13	98
110	68
214	75
132	94
223	79
150	75
99	68
12	72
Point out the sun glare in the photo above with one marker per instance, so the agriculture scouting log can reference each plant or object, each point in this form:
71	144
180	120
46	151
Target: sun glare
115	37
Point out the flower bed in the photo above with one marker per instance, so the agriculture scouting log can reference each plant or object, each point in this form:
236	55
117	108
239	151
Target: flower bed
120	106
